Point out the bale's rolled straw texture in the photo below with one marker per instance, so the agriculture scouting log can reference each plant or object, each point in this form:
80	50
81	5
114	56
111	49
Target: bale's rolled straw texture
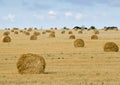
111	47
94	37
72	37
31	64
79	43
33	37
6	39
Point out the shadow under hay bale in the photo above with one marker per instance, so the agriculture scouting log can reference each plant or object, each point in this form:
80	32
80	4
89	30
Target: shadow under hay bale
31	64
72	37
94	37
79	43
111	47
33	37
6	39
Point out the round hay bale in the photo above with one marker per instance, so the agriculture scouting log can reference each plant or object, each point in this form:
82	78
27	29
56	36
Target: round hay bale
36	33
30	29
6	39
72	37
27	33
96	32
52	35
94	37
16	32
80	32
48	31
33	37
63	32
6	33
43	32
79	43
70	32
111	47
31	64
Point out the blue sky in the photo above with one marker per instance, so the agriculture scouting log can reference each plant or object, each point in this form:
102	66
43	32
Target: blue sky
59	13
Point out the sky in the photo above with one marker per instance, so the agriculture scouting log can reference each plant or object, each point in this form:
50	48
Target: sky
59	13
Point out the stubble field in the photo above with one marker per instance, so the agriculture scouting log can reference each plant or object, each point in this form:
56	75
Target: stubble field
65	64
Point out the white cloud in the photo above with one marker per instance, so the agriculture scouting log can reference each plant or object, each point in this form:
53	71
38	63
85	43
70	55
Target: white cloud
68	14
9	17
78	16
52	13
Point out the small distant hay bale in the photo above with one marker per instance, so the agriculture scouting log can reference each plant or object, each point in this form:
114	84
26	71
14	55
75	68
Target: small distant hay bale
52	35
16	32
36	33
31	64
48	31
79	43
26	33
33	37
12	30
96	32
15	28
80	32
94	37
21	30
30	29
63	32
70	32
6	39
6	33
43	32
111	47
72	37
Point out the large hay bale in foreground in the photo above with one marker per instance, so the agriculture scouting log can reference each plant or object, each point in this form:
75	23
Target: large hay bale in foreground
33	37
72	37
111	47
31	64
6	39
94	37
79	43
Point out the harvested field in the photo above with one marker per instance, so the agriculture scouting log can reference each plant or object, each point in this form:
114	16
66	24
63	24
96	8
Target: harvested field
65	64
